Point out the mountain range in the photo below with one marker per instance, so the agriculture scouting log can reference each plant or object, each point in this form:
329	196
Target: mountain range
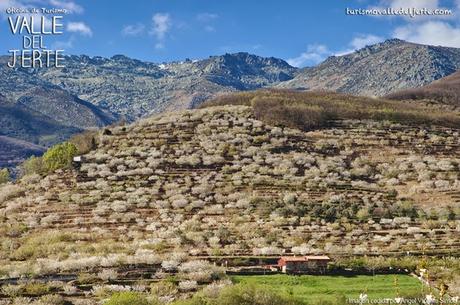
379	69
133	88
46	106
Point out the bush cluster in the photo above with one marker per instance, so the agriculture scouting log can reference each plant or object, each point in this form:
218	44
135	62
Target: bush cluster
229	295
4	176
445	91
57	157
84	142
128	298
310	110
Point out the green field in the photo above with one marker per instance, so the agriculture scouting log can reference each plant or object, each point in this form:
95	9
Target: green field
314	288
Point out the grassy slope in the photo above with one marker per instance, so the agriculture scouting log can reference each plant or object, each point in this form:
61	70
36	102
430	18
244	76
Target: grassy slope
313	288
316	109
445	90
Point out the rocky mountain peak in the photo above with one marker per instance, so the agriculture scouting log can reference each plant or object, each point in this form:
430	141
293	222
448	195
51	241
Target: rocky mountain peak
246	61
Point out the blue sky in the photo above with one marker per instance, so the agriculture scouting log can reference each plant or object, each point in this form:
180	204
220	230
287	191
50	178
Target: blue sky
300	31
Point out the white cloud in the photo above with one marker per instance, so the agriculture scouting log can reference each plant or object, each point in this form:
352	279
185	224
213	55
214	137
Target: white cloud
79	27
365	40
441	30
133	29
431	32
161	25
315	54
360	42
68	5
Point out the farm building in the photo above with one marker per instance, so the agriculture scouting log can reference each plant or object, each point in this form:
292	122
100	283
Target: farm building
303	264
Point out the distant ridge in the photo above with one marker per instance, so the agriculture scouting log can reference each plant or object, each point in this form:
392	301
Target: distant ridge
34	113
14	151
379	69
133	88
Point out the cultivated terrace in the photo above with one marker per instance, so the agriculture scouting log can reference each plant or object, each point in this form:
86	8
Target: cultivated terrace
180	193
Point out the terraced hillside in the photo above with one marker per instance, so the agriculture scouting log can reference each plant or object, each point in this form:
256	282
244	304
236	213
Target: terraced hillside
216	182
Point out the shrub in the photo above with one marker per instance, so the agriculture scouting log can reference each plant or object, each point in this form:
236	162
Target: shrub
127	298
11	290
188	285
52	299
84	142
36	289
445	91
267	251
10	191
293	114
108	274
169	265
363	214
33	165
59	156
307	110
20	301
87	278
200	270
241	294
163	288
4	176
31	179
